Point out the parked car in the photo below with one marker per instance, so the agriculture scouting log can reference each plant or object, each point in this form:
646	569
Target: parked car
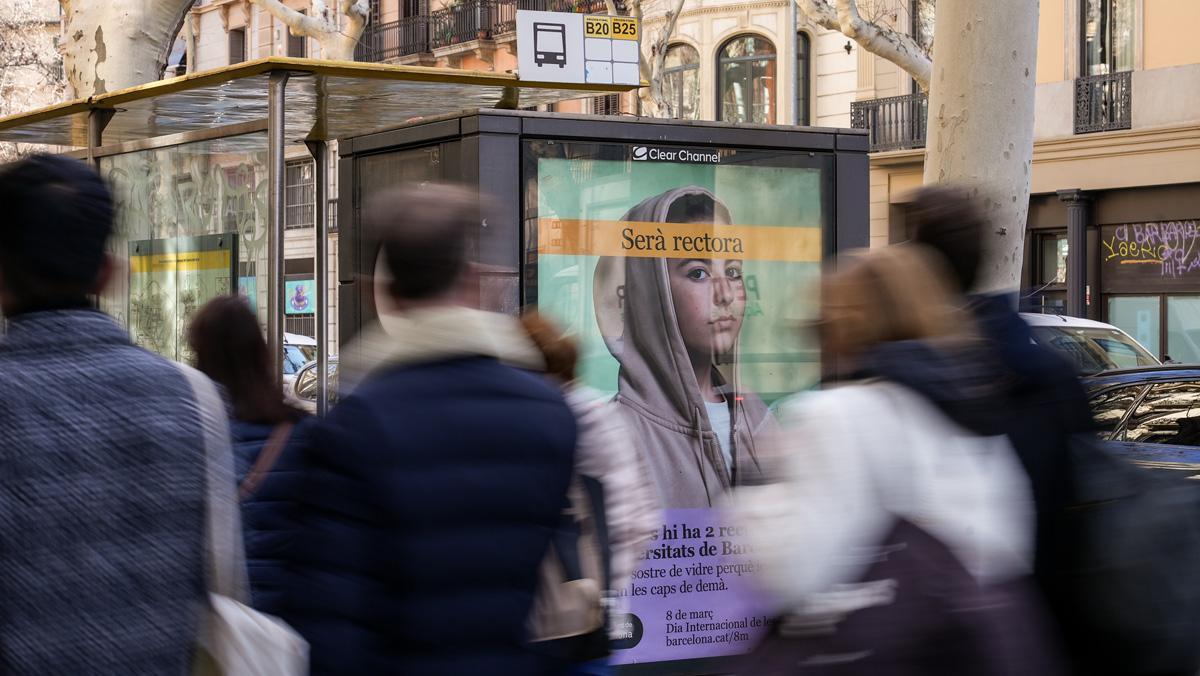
298	350
1152	414
304	387
1091	346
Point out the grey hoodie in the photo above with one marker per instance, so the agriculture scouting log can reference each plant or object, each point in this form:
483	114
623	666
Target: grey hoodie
657	390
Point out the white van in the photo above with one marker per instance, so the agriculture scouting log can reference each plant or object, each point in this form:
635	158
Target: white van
1090	345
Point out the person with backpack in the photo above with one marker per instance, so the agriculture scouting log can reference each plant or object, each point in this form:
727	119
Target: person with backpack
612	514
1117	551
268	434
899	539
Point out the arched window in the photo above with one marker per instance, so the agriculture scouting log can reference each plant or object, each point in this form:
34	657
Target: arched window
681	82
746	80
803	79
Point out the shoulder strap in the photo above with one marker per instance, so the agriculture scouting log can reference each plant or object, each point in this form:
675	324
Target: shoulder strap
266	459
223	548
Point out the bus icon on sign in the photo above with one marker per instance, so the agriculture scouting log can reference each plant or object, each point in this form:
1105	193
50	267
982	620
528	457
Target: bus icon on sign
550	44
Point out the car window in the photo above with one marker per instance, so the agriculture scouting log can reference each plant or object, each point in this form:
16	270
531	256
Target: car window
1109	407
293	359
1093	350
1168	414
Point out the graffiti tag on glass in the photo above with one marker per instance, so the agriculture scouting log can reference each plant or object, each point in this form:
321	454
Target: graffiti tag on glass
1172	245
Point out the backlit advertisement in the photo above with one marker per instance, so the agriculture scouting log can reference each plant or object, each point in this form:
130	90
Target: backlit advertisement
688	275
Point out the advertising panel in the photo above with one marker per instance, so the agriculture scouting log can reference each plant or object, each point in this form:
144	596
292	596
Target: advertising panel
169	279
687	274
299	298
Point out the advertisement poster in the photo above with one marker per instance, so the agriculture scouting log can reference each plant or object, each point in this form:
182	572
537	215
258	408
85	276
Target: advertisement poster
688	275
299	299
169	279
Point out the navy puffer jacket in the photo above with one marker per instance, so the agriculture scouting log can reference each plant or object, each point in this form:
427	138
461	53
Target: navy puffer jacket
268	515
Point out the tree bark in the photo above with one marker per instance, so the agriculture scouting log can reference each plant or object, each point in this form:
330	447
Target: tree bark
980	132
113	44
876	38
337	41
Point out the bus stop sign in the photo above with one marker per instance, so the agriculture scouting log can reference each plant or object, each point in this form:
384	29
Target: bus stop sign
567	47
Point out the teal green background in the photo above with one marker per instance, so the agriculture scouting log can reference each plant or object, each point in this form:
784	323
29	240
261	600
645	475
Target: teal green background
776	357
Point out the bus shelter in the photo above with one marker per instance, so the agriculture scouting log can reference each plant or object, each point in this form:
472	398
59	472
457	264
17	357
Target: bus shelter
197	168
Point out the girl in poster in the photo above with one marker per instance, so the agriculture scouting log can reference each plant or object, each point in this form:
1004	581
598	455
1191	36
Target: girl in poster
669	322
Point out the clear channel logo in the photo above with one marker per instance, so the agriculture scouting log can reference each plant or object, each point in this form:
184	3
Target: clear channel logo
706	156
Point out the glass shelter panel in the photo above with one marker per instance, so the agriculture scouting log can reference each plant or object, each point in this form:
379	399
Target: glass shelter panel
191	225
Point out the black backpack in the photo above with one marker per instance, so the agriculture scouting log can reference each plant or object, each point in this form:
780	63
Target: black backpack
1127	583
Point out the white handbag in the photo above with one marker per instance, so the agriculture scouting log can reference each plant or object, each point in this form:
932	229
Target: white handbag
234	639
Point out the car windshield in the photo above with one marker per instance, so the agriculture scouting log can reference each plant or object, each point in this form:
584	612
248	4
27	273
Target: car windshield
1093	350
295	357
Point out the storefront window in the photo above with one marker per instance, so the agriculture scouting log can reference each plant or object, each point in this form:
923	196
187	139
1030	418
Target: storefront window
681	82
1107	36
1140	317
1183	329
191	225
746	73
1053	261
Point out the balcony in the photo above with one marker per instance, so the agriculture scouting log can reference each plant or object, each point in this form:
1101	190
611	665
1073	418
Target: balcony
1104	102
468	20
392	40
894	123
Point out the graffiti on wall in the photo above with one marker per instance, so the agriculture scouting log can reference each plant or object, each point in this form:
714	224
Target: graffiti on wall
1174	246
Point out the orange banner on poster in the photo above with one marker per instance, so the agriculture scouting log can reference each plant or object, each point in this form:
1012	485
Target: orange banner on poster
678	240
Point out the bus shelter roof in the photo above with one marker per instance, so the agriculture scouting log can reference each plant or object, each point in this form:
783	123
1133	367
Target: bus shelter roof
325	100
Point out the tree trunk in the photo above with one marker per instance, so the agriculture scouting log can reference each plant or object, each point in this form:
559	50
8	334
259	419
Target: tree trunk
980	131
114	44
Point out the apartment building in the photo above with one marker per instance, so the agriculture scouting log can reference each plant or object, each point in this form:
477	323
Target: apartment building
1116	167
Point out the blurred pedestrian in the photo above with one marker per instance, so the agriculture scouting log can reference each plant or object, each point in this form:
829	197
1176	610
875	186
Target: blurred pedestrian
432	490
610	477
102	444
266	431
1118	580
900	540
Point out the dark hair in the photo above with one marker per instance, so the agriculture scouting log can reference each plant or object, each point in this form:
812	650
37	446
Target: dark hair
56	215
947	220
230	349
697	208
560	351
423	233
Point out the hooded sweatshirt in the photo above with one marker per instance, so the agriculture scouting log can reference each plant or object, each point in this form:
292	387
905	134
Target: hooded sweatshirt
657	390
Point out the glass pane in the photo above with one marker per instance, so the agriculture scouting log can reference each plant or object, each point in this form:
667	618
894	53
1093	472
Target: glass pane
679	56
1183	329
1054	260
1108	36
1110	407
1092	350
747	83
802	78
1139	317
191	225
1169	414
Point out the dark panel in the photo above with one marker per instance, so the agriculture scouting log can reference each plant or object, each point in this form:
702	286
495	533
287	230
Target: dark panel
849	141
1141	205
564	127
1156	257
347	218
1046	212
499	162
417	134
492	122
853	206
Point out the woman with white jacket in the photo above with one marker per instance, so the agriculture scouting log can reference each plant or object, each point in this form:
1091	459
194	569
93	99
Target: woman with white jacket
899	537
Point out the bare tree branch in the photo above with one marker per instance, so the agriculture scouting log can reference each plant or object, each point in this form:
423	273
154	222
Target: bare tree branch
658	55
874	36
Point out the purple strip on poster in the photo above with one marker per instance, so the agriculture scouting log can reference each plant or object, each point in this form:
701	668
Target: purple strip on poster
692	597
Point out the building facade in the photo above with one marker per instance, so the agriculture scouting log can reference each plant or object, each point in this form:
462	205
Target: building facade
1116	167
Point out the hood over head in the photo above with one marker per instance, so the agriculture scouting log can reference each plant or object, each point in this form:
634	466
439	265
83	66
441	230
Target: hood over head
640	325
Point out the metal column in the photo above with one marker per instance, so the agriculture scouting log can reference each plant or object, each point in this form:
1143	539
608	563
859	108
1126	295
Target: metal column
275	217
1077	224
97	120
320	153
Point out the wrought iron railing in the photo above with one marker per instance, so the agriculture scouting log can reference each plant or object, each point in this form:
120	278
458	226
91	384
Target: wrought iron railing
1104	102
469	20
392	40
894	123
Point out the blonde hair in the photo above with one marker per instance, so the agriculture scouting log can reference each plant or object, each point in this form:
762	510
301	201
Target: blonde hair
897	293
